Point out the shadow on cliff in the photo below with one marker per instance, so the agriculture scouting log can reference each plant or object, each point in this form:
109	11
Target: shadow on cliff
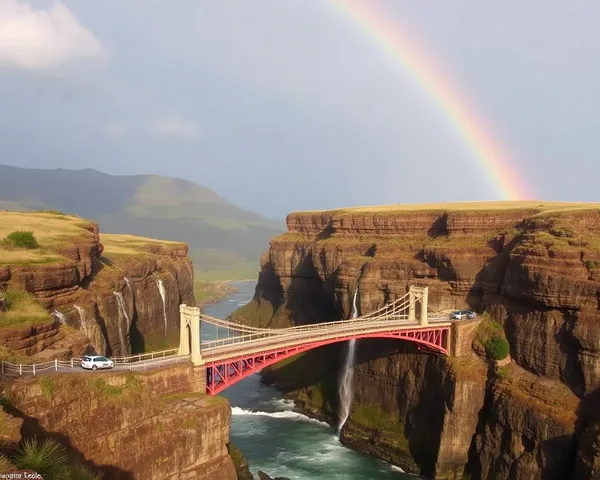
31	428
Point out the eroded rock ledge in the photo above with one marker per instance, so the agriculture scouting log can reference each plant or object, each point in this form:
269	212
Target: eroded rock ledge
532	267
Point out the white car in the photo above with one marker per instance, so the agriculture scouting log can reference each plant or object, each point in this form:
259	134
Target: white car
94	362
462	314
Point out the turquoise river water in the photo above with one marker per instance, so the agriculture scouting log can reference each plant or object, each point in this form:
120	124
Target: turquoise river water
276	438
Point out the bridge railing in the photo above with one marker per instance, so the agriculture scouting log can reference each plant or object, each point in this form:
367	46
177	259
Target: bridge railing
132	362
217	322
306	330
145	356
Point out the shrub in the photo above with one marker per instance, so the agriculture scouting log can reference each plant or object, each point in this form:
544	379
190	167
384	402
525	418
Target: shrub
497	348
22	239
48	458
52	212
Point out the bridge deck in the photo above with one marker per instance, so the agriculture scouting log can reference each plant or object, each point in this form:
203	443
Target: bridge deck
237	347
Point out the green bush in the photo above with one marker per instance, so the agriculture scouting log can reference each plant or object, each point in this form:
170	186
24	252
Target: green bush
50	459
22	239
497	348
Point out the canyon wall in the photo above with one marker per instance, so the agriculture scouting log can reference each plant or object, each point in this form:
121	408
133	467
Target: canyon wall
112	293
533	268
151	425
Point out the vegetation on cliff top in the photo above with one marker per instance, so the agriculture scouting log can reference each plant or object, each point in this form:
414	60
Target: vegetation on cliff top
491	339
22	308
540	207
32	238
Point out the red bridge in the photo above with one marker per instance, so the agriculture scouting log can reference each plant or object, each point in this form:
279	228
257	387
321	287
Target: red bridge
251	349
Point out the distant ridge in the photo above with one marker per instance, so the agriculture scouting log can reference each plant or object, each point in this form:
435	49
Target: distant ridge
220	234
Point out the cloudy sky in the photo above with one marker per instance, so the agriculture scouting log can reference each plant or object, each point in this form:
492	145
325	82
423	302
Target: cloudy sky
282	105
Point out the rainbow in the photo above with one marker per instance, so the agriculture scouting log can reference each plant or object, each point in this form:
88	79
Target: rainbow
404	51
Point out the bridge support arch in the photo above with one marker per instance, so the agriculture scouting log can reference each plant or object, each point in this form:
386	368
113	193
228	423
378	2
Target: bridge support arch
189	324
421	295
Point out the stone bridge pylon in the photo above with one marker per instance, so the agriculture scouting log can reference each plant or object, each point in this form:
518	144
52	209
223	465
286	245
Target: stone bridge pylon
189	333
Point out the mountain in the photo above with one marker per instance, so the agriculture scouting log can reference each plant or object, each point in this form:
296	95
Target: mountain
220	235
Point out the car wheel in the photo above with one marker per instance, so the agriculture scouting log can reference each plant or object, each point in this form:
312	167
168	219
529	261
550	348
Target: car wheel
112	366
94	368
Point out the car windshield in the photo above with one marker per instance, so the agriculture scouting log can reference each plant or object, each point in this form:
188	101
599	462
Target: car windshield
87	359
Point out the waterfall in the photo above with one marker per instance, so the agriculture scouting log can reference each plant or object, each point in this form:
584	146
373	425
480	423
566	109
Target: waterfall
128	285
82	319
346	389
161	289
91	330
122	315
59	316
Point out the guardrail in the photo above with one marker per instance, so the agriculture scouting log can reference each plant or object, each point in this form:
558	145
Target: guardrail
131	362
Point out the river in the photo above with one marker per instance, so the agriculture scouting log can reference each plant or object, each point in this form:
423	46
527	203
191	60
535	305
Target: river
276	438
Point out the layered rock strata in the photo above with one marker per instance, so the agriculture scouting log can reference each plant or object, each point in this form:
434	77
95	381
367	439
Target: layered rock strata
150	425
533	268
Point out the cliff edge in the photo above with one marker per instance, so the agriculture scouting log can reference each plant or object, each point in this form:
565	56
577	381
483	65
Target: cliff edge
74	290
532	267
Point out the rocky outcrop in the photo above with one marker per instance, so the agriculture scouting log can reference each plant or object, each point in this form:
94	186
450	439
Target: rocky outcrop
526	429
122	308
534	268
113	296
149	425
44	340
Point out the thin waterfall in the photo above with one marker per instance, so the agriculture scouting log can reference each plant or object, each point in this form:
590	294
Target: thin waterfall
161	289
346	389
122	316
128	285
59	316
91	330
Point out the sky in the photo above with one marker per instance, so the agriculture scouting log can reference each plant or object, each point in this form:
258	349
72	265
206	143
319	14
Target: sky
283	105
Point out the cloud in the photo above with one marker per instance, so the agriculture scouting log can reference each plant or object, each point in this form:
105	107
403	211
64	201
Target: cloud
174	125
38	39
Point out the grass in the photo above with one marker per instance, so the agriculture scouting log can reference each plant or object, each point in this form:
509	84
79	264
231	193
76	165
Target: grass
129	392
209	292
48	386
51	231
241	272
23	308
118	244
539	206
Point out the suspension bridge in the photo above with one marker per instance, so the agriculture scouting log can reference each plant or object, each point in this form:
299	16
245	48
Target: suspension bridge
247	350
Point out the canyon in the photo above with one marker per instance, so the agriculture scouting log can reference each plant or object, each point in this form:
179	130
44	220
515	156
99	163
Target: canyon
531	267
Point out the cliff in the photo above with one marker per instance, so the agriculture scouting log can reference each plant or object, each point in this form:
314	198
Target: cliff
151	425
121	292
532	267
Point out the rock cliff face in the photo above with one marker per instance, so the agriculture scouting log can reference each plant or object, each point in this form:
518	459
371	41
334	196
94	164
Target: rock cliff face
122	294
149	425
531	267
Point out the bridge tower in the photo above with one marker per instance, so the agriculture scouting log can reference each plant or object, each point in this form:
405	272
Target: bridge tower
189	333
421	295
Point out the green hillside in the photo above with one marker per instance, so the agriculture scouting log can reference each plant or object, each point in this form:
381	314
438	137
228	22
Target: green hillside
223	238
